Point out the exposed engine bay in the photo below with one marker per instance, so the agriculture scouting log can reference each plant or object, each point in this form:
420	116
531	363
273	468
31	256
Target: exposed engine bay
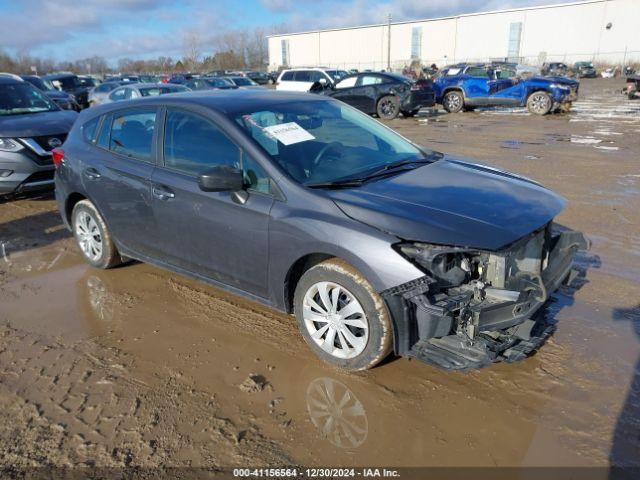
474	307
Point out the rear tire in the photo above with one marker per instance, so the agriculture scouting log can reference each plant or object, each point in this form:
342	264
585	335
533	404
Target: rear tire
93	237
453	101
388	107
539	103
356	340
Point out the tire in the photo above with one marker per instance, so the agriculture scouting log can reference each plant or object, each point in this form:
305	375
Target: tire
388	107
93	237
453	101
409	114
337	342
539	103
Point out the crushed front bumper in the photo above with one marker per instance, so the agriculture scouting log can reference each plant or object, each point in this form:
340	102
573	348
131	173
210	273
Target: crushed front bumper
460	329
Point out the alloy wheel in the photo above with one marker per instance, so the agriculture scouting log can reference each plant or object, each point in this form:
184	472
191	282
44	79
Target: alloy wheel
88	235
540	103
335	320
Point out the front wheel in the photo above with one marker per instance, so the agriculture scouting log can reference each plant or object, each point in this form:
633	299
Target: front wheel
388	107
341	316
453	101
539	103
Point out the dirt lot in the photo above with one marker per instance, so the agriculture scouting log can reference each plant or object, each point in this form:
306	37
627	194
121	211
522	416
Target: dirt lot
137	366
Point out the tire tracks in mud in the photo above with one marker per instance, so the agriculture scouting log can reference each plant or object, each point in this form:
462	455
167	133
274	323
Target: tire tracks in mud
79	405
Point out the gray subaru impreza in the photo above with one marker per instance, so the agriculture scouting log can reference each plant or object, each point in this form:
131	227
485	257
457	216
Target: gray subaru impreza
305	204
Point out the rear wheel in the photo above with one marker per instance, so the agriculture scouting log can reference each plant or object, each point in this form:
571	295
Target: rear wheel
388	107
539	103
453	101
341	316
92	236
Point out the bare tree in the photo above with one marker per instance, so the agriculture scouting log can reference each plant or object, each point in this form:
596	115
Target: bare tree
192	51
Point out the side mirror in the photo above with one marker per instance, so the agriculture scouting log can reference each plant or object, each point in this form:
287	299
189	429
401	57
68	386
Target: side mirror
221	178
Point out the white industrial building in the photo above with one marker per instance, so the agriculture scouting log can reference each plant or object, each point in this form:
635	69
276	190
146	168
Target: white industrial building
602	31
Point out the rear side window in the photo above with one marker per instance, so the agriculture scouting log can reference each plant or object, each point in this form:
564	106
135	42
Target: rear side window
477	72
303	76
287	76
89	129
370	80
193	144
132	134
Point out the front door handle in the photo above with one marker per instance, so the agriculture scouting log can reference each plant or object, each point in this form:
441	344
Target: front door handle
92	173
162	193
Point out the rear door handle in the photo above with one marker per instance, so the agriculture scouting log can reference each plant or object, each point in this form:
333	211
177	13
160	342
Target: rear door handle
92	173
162	193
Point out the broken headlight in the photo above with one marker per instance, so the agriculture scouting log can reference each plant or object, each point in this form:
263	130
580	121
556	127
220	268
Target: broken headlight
450	266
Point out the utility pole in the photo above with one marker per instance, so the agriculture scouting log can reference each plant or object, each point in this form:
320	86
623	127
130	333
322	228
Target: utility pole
389	42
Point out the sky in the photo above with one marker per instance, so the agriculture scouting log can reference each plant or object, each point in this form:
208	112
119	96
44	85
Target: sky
113	29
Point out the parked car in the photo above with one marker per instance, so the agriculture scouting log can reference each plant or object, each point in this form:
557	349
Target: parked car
584	70
633	86
31	125
70	83
384	94
210	83
261	78
243	82
87	81
306	204
64	100
98	94
302	79
138	90
555	69
182	78
466	86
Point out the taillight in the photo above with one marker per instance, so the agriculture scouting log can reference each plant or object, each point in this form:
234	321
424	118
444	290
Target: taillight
58	156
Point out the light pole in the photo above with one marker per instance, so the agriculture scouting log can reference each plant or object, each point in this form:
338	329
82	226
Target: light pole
389	42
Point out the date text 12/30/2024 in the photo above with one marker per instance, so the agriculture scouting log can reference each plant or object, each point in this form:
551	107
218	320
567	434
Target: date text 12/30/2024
315	473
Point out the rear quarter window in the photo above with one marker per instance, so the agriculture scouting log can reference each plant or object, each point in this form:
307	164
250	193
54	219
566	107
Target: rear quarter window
89	130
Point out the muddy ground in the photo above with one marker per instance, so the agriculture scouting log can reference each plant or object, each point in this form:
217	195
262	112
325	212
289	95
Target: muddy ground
137	366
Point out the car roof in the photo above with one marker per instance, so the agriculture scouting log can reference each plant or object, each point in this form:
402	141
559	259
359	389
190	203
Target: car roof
56	76
228	102
9	81
149	85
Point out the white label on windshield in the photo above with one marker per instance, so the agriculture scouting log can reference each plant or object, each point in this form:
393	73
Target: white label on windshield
289	133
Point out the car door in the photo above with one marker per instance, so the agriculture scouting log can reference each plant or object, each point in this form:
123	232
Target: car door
476	85
212	234
344	90
117	176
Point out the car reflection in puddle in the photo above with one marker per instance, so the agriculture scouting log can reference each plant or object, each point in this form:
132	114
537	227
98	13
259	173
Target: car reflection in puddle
337	413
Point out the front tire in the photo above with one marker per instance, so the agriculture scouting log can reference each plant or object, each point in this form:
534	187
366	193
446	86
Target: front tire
539	103
341	316
93	237
453	102
388	107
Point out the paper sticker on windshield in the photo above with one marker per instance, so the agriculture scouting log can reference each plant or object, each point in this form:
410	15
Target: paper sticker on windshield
289	133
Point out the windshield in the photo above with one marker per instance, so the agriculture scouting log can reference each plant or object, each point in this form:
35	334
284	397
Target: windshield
243	81
19	98
318	142
219	82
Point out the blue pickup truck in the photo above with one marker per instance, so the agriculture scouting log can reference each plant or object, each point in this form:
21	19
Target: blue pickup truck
466	86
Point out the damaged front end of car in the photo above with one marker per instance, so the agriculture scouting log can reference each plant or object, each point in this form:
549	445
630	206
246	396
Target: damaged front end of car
475	307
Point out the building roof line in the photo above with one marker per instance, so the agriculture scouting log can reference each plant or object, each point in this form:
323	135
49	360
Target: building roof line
450	17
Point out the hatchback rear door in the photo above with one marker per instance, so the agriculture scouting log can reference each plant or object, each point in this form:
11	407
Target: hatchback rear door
117	174
211	234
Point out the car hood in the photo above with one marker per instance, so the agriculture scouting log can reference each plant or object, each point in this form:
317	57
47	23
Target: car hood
36	124
451	202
